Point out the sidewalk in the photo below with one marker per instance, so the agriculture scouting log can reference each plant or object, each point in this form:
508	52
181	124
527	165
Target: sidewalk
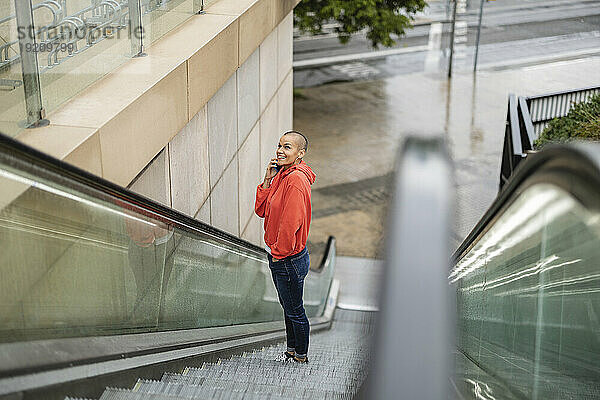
355	129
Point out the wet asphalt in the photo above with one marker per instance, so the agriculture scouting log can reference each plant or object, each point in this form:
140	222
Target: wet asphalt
357	113
356	128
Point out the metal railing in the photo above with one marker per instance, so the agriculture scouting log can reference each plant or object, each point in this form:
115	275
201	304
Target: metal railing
545	108
527	118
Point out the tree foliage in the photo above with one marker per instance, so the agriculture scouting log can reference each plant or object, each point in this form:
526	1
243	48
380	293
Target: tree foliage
381	18
581	123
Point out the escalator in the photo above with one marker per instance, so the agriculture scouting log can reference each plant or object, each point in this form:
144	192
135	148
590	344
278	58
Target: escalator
515	313
104	288
528	284
337	369
107	295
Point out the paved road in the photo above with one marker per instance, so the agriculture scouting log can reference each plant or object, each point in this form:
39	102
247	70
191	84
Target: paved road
355	129
523	33
527	19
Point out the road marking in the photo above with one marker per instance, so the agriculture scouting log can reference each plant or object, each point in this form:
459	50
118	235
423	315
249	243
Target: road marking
554	64
547	59
434	47
372	55
356	70
435	37
460	40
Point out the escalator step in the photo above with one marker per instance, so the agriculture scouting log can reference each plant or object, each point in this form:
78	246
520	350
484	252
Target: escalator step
124	394
310	374
339	361
303	374
77	398
221	387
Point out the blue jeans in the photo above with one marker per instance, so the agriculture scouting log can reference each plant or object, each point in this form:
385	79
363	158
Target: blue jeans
288	276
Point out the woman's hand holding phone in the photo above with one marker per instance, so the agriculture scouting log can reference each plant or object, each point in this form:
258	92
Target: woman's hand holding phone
272	170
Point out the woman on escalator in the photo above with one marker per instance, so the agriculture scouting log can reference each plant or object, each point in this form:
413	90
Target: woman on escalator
283	200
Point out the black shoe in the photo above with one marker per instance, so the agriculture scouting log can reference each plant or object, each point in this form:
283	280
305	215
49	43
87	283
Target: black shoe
285	356
301	360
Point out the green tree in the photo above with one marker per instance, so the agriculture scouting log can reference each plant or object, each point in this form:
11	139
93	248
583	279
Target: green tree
381	18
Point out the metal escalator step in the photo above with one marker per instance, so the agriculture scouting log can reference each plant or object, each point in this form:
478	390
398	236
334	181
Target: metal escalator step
339	361
307	375
338	385
220	388
307	378
125	394
76	398
176	389
317	359
334	367
169	377
297	389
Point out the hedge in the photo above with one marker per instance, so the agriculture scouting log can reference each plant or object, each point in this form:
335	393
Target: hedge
581	123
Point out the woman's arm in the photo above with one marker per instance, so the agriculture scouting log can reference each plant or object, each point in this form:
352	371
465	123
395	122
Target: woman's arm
262	190
260	204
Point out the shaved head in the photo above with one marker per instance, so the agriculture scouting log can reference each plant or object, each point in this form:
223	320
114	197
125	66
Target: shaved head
298	138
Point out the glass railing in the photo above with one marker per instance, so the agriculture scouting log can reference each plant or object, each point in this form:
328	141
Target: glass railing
83	257
51	50
528	291
12	92
160	17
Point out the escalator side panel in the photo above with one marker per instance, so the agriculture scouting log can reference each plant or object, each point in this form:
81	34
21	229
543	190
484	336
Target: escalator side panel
532	283
82	257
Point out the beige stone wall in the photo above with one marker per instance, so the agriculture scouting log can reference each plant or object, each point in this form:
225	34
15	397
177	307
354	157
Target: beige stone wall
210	169
135	111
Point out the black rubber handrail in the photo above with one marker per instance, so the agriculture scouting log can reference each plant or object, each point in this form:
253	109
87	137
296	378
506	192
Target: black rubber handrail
580	160
327	255
33	160
414	326
40	163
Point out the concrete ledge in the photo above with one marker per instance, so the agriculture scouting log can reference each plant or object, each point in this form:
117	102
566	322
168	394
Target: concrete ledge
77	145
133	112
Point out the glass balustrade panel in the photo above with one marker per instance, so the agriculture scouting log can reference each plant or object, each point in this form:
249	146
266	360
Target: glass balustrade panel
534	280
159	17
13	113
74	265
79	42
76	262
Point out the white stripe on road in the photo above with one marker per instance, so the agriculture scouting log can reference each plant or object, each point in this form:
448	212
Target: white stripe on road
434	48
546	59
435	37
372	55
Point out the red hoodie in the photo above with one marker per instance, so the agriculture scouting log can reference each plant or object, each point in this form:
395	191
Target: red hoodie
285	206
